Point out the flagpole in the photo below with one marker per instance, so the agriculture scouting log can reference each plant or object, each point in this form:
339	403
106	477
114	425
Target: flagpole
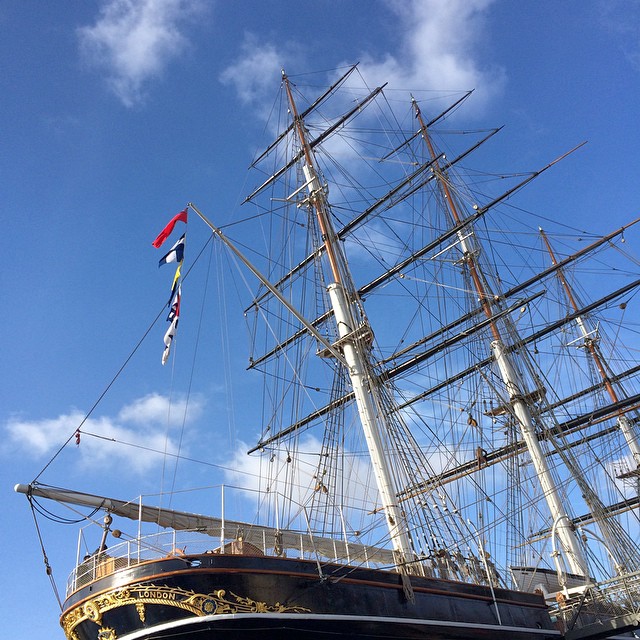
310	328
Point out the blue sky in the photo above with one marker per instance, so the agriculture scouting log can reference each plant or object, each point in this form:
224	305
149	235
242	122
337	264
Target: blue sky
116	113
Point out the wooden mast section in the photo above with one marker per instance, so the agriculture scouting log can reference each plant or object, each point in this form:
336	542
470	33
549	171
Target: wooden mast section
591	344
562	525
354	338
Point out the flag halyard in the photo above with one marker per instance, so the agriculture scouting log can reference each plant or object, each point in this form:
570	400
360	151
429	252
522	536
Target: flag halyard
175	254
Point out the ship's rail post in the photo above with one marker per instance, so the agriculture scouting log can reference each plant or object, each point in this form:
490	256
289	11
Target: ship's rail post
346	537
78	551
139	523
222	543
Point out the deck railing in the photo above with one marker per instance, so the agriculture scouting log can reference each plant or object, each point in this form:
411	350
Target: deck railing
102	562
610	604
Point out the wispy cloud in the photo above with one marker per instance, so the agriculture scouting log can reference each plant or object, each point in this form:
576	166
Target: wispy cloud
438	49
622	19
296	476
134	40
157	409
134	437
252	75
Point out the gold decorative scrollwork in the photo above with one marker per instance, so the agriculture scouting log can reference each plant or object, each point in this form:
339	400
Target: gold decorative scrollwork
198	604
141	611
91	611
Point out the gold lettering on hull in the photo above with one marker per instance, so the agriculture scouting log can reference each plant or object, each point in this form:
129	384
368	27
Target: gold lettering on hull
198	604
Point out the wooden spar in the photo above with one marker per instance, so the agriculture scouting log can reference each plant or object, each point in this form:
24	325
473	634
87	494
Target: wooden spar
430	124
570	259
591	344
587	518
349	324
208	525
508	451
448	234
307	111
325	134
571	548
391	373
334	352
387	275
524	341
387	200
395	371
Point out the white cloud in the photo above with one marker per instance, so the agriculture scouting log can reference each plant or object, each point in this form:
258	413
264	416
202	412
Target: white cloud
296	478
253	74
441	43
134	438
438	49
158	409
134	40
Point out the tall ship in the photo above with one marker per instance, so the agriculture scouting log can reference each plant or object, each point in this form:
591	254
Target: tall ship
449	444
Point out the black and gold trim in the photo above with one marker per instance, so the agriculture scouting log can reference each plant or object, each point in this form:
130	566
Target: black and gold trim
141	595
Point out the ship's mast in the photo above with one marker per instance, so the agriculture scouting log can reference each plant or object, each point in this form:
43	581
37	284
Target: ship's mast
354	337
592	346
576	561
620	547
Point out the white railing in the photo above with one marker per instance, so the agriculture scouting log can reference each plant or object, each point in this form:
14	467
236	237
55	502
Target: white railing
609	599
183	543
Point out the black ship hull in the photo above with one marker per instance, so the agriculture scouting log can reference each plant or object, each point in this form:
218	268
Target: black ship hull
258	598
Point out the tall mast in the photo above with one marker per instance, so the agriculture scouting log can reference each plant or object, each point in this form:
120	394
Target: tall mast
354	337
562	524
592	346
621	548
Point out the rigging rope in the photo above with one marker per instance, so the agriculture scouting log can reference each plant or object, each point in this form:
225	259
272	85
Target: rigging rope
78	429
45	558
177	457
